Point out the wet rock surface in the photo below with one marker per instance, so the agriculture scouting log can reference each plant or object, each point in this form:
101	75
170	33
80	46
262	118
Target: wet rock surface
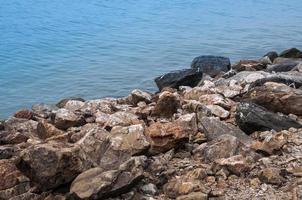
234	135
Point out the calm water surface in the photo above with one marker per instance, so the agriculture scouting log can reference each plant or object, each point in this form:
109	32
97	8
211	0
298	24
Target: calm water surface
97	48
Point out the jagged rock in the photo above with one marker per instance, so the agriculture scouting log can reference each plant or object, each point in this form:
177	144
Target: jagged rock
12	181
73	104
102	118
7	152
291	53
216	99
282	67
277	97
237	165
139	95
271	176
244	77
44	110
98	184
24	114
167	105
51	164
174	79
65	119
122	118
63	102
218	111
193	196
215	128
79	132
272	55
106	105
251	117
165	136
46	130
149	189
211	65
248	65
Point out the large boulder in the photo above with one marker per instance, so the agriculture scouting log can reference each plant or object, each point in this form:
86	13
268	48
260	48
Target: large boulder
277	97
51	164
291	53
99	184
251	117
174	79
211	65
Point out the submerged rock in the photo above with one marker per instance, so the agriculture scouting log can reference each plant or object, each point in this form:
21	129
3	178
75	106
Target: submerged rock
211	65
174	79
251	117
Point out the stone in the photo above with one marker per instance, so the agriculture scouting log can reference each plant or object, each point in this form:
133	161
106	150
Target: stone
175	79
237	164
218	111
251	117
51	164
167	105
63	102
44	110
122	118
149	189
277	97
193	196
215	128
27	196
7	151
2	125
248	65
271	176
47	130
106	105
211	65
139	95
272	55
216	99
282	67
65	119
98	184
291	53
74	105
102	118
12	182
24	114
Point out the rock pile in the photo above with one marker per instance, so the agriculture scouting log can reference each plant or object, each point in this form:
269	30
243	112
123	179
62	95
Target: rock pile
214	132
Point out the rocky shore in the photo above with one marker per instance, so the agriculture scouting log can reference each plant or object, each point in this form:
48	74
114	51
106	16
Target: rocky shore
215	131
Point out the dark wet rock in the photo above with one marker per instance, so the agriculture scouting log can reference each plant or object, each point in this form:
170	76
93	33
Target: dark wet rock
277	98
214	128
283	67
12	181
248	65
24	114
51	164
167	105
251	117
291	53
174	79
272	55
98	184
62	103
211	65
65	119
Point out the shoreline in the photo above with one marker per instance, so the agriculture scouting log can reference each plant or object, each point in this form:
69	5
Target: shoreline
216	130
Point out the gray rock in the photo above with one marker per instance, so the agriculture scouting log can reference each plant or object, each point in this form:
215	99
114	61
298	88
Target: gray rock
174	79
65	119
291	53
62	103
211	65
272	55
283	67
139	95
44	110
251	117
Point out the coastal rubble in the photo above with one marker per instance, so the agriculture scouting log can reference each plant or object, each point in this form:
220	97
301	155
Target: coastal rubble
234	135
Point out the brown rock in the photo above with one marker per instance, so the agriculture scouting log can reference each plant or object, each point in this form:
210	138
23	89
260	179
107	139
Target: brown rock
24	114
46	130
235	164
167	105
271	175
193	196
249	65
139	95
218	111
121	118
65	119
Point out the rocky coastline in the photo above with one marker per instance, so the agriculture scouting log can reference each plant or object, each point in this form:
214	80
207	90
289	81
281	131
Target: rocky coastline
214	131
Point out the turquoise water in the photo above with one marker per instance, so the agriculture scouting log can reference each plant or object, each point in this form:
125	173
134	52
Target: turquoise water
97	48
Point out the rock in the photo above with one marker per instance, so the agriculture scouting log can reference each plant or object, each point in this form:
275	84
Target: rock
248	65
2	125
73	105
44	110
63	102
27	196
244	77
277	97
291	53
121	118
167	105
79	132
46	130
106	105
218	111
51	164
216	99
211	65
24	114
174	79
98	184
65	119
272	55
6	152
237	165
149	189
215	128
271	176
12	182
139	95
251	117
193	196
283	67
